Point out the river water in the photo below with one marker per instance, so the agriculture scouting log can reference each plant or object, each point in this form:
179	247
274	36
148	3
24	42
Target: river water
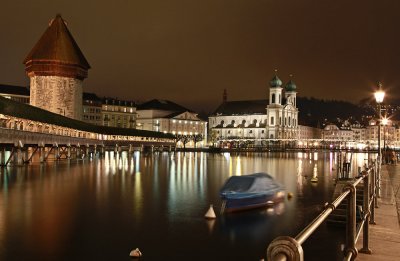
101	209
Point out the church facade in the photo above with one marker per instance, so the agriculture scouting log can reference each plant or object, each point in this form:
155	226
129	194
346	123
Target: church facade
256	122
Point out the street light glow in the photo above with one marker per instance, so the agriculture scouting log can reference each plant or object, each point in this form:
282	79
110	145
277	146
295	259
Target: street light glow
385	121
379	95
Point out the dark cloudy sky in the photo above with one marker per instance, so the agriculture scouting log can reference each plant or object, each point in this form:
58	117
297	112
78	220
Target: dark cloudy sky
188	51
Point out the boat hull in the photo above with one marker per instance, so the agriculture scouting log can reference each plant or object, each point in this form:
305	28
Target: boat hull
242	204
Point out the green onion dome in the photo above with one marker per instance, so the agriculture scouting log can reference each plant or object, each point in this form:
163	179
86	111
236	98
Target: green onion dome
275	82
290	86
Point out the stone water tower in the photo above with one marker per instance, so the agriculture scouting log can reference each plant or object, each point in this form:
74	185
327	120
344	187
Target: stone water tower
56	68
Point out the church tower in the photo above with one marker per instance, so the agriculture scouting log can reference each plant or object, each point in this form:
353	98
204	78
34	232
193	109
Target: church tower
290	112
274	109
56	68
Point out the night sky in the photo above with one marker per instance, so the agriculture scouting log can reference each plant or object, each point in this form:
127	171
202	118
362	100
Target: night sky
188	51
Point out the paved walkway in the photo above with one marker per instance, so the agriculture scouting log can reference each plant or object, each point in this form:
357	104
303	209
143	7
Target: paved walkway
385	235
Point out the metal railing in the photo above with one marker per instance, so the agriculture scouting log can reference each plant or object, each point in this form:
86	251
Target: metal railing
286	248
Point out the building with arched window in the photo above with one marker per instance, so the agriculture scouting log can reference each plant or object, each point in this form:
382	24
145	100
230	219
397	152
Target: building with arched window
255	122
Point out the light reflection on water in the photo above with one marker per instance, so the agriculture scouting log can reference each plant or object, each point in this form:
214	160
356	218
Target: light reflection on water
102	208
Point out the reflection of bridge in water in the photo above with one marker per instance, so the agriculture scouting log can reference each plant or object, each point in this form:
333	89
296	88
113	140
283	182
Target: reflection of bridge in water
27	131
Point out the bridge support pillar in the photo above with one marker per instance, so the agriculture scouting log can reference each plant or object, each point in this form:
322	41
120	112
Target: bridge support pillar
94	150
41	154
170	148
78	152
141	148
116	150
130	151
3	156
152	148
87	151
25	158
57	152
69	151
102	150
18	156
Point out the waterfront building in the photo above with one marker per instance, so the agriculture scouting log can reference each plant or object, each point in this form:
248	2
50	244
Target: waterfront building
92	107
256	122
15	93
118	113
56	68
168	117
338	137
239	123
308	133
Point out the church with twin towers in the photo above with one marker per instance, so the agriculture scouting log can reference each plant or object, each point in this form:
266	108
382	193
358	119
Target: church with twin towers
255	122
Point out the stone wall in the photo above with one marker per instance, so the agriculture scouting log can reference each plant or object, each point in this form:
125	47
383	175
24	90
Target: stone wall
61	95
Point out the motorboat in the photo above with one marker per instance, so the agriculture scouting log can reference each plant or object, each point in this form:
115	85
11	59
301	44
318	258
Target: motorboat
250	191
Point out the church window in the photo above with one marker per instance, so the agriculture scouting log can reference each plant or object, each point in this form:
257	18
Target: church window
272	120
262	131
280	120
229	132
285	121
273	98
280	98
250	131
289	120
271	136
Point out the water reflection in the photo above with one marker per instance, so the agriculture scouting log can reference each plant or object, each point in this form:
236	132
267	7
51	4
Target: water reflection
122	200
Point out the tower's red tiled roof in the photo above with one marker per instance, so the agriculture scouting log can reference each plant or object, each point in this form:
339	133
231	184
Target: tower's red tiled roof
57	53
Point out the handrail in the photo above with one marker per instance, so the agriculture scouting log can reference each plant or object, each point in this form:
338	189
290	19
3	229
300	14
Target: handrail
286	248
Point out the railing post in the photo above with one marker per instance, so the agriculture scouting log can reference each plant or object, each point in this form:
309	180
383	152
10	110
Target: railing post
351	222
373	195
367	212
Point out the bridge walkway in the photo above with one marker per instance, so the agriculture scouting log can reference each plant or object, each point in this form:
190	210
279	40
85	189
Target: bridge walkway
384	239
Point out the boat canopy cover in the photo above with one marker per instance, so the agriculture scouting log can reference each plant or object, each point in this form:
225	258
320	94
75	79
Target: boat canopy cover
253	183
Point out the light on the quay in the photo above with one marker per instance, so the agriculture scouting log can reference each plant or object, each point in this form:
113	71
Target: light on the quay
385	121
379	95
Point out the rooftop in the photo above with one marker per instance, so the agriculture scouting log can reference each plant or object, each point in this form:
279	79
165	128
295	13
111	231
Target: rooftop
242	107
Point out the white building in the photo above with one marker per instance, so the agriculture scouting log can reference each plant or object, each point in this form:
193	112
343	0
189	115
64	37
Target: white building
282	115
256	122
168	117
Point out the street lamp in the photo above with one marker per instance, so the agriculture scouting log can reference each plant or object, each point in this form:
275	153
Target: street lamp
379	95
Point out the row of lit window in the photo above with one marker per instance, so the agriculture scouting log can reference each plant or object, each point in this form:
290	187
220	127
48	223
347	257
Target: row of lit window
186	122
184	133
118	109
91	117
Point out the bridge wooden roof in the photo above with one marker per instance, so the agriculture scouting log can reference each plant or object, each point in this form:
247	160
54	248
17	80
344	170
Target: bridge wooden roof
28	112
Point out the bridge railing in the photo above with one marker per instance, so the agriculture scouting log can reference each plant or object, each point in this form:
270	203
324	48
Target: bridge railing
12	136
286	248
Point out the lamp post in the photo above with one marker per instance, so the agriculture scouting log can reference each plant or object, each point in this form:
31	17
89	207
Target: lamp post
379	95
385	122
